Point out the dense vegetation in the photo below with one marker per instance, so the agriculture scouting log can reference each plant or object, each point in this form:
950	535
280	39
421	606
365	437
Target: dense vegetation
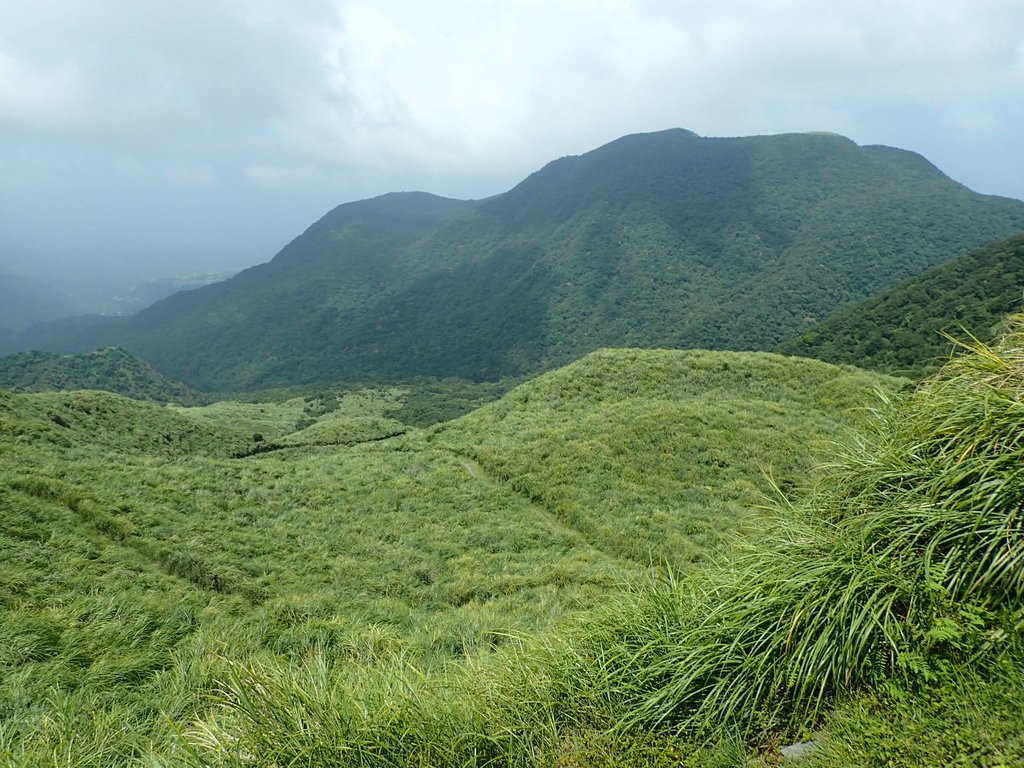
590	571
110	370
905	329
152	558
656	240
895	590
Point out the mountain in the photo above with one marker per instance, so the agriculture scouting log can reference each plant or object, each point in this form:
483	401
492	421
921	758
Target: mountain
109	370
901	329
25	302
654	240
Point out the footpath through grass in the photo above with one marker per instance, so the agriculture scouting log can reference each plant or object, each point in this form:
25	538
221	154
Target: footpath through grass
485	592
886	603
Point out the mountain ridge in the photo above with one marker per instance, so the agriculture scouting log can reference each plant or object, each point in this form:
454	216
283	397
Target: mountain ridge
655	240
902	330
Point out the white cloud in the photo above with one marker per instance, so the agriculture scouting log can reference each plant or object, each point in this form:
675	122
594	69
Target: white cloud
511	84
461	86
38	97
335	99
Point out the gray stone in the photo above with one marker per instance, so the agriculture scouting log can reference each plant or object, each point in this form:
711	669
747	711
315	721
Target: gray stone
798	750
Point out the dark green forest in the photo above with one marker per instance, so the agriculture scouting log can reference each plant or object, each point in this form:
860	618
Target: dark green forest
906	329
109	370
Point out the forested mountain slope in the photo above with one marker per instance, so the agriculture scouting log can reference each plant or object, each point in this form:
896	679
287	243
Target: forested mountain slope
110	370
655	240
901	330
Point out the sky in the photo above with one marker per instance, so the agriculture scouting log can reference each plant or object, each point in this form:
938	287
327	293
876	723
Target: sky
147	138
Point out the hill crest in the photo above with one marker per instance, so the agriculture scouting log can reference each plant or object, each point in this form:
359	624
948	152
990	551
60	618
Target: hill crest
109	369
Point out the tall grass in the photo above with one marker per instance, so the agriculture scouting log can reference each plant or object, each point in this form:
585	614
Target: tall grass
908	562
523	707
323	713
942	479
405	581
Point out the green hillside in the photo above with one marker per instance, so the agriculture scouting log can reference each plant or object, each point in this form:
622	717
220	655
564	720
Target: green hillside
656	240
110	370
89	421
875	620
144	566
617	444
901	330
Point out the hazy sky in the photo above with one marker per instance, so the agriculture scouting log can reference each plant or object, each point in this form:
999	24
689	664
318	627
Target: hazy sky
163	137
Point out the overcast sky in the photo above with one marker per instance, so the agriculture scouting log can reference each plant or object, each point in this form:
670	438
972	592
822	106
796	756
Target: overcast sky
171	137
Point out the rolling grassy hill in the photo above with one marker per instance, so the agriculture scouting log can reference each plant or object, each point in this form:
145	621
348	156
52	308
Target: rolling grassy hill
618	443
878	616
143	567
901	330
655	240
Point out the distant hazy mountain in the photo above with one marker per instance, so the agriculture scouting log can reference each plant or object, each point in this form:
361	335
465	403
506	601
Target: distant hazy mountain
148	292
110	370
24	302
657	240
900	330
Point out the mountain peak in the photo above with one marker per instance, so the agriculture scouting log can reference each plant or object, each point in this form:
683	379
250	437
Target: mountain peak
664	239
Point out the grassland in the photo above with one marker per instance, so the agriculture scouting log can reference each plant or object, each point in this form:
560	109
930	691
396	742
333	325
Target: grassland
478	592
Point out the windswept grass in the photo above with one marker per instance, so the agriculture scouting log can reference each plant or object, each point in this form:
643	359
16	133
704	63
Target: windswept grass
894	585
140	563
906	564
941	480
480	592
662	456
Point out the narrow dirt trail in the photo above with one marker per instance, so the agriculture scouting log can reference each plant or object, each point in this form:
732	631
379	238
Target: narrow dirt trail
479	473
476	470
